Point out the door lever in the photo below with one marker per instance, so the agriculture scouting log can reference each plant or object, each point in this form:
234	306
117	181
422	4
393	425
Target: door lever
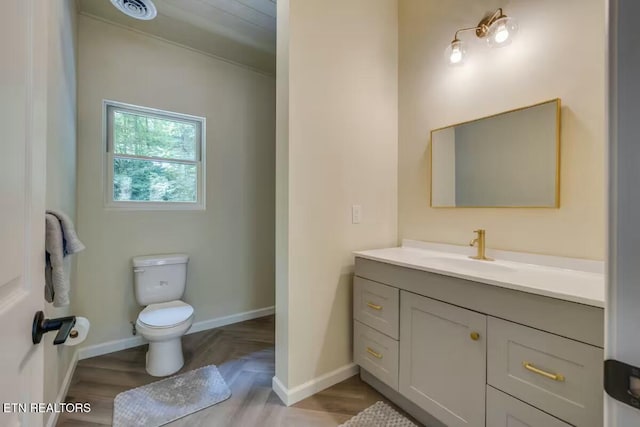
41	326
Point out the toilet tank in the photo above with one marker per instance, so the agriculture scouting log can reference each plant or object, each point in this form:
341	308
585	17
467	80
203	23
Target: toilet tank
159	278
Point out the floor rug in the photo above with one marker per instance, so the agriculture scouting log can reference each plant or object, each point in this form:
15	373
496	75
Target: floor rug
379	415
167	400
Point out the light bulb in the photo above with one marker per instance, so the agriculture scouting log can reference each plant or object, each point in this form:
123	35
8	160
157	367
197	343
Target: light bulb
502	31
502	34
455	53
456	56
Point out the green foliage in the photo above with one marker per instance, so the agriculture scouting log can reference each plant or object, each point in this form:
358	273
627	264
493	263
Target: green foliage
150	136
153	180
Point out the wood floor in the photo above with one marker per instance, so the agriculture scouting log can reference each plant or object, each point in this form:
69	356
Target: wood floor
244	354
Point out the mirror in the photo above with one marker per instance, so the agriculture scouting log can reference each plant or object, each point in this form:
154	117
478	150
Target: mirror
510	159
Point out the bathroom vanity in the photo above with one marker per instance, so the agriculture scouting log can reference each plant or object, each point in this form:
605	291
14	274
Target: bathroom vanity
460	342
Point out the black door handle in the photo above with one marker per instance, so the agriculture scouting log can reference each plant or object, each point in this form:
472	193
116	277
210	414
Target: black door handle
61	324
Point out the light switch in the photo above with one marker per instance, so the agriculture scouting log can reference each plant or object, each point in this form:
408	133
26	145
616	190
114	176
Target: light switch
356	214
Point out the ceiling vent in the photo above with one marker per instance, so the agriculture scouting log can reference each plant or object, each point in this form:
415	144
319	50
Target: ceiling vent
144	10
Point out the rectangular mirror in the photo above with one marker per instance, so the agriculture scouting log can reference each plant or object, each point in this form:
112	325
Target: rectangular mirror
506	160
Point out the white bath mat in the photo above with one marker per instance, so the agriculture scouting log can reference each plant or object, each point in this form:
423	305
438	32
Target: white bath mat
167	400
379	415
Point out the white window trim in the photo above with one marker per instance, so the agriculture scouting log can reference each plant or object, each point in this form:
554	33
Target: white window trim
107	150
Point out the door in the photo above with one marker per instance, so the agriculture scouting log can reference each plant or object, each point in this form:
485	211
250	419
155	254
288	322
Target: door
623	299
22	197
443	359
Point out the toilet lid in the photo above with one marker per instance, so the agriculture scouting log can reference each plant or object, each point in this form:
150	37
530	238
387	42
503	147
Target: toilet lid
165	314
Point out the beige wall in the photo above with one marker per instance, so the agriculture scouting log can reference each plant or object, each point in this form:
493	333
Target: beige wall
554	56
339	148
61	163
282	194
231	244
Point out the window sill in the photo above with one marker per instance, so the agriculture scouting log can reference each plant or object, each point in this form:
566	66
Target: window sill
154	206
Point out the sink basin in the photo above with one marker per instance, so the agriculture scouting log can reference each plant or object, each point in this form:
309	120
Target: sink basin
469	264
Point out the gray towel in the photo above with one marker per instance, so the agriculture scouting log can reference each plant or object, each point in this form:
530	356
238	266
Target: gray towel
71	243
60	240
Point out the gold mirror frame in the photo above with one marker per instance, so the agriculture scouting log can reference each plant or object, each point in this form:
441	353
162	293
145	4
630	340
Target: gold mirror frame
558	130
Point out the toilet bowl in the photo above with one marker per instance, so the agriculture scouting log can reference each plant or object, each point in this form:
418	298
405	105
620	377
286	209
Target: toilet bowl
163	326
160	282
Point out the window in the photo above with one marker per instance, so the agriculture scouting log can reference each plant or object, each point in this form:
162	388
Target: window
155	159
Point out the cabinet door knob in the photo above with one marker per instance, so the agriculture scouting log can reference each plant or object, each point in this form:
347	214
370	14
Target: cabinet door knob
474	336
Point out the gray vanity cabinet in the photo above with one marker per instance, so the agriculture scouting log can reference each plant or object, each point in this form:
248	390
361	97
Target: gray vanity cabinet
456	353
552	373
506	411
443	359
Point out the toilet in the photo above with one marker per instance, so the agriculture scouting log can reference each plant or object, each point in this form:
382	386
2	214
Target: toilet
159	282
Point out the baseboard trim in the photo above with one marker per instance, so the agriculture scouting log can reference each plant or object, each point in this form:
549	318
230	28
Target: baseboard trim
125	343
109	347
64	388
228	320
311	387
280	390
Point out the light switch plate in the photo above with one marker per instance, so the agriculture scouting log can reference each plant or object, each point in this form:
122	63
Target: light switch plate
356	214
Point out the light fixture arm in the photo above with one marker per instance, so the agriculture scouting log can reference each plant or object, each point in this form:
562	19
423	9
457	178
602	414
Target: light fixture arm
496	15
455	37
485	23
483	26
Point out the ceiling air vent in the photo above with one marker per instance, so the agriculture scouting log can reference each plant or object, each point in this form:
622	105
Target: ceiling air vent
138	9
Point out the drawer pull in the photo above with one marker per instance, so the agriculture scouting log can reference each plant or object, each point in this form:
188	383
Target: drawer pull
374	353
556	377
474	336
374	306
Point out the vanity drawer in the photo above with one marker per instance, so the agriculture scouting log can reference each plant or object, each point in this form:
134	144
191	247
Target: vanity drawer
506	411
377	305
558	375
376	353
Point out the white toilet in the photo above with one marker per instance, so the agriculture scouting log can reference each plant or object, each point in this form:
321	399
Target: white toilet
159	282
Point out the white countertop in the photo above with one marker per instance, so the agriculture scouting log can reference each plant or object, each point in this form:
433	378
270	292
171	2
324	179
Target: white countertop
574	280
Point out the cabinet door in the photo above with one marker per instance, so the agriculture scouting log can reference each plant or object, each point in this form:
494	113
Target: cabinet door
443	359
506	411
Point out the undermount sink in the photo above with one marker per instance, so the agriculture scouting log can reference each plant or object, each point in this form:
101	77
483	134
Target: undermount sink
470	265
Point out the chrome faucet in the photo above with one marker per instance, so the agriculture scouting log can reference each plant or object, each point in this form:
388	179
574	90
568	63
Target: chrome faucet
480	242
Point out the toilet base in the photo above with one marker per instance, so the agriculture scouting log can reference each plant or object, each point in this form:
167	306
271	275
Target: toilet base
164	357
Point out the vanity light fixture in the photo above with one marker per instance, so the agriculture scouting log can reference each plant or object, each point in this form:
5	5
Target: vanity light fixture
497	29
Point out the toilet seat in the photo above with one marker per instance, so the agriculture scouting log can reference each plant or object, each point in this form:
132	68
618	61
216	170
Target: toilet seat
166	314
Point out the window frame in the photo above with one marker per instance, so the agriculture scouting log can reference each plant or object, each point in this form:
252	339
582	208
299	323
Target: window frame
108	109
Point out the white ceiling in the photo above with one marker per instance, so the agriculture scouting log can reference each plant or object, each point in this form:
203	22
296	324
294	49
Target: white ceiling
249	21
243	31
